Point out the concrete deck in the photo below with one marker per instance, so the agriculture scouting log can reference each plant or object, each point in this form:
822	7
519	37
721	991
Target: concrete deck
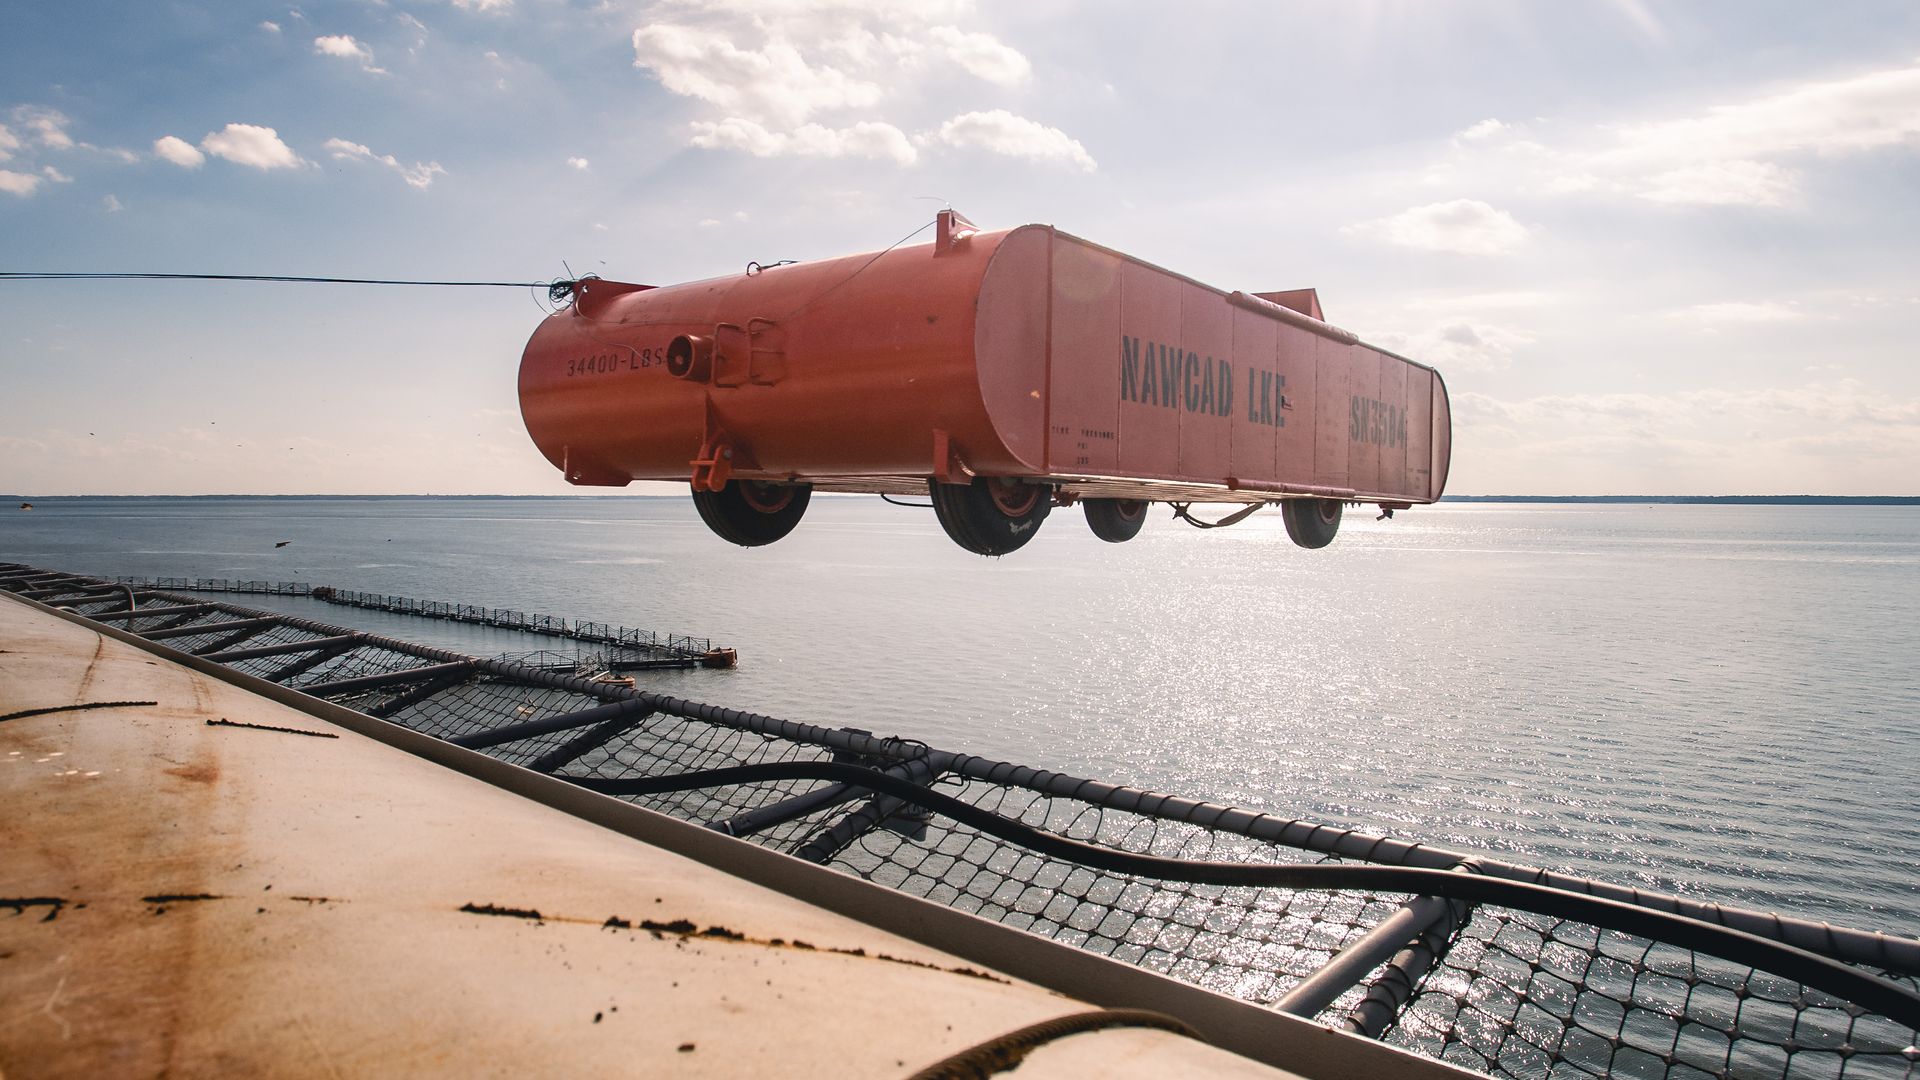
181	898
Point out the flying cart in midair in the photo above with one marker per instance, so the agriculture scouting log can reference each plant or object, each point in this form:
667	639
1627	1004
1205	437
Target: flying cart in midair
1001	373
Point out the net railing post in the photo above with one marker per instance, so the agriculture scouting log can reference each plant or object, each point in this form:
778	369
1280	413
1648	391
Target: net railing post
320	656
1413	922
586	742
631	709
422	692
766	817
829	841
1389	994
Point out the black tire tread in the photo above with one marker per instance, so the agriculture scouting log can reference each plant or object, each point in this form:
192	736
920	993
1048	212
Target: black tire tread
1109	522
974	521
1306	526
727	513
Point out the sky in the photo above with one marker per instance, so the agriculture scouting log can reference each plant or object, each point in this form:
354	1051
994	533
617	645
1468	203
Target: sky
1654	249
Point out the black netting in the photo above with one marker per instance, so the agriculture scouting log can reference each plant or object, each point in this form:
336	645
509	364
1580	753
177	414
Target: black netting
1524	995
1497	990
667	745
1251	943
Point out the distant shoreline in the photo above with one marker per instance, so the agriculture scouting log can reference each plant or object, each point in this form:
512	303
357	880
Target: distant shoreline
1705	500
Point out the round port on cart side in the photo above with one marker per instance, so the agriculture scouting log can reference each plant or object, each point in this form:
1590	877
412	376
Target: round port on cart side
690	356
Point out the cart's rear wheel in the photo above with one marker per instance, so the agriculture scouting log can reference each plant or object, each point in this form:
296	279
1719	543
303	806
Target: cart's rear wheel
1312	522
1115	520
752	513
991	516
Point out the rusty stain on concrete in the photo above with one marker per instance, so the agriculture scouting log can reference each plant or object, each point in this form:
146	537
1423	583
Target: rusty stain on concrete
200	772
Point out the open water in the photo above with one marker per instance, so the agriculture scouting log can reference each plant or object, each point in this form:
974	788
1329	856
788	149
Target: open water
1722	701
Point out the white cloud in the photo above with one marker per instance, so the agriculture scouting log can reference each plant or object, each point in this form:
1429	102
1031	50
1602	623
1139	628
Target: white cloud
250	144
1461	346
347	48
815	78
1576	183
1723	183
580	163
1509	300
48	126
18	183
774	83
417	175
982	55
341	45
179	151
419	31
111	205
1485	129
1728	155
45	127
868	139
1461	226
485	7
270	27
1001	132
1864	112
1754	150
1742	311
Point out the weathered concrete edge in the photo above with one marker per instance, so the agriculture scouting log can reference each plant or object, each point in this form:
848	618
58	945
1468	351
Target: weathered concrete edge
1243	1028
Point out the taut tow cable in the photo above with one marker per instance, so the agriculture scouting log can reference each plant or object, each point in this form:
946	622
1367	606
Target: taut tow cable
558	289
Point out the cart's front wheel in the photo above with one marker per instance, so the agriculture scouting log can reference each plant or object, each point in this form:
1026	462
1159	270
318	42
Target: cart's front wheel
752	513
991	516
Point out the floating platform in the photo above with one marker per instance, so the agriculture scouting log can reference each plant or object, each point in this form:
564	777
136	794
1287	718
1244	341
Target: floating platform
663	650
1296	945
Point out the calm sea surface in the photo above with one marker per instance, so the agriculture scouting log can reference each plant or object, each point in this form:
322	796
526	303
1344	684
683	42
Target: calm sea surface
1719	701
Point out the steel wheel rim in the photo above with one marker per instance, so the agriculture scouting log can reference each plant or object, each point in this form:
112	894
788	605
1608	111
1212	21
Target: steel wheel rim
766	498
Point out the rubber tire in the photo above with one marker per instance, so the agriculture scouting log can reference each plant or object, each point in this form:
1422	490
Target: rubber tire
975	520
1115	520
739	514
1312	523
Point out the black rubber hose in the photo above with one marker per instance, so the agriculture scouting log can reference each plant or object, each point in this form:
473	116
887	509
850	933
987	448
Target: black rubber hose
1889	999
1004	1053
